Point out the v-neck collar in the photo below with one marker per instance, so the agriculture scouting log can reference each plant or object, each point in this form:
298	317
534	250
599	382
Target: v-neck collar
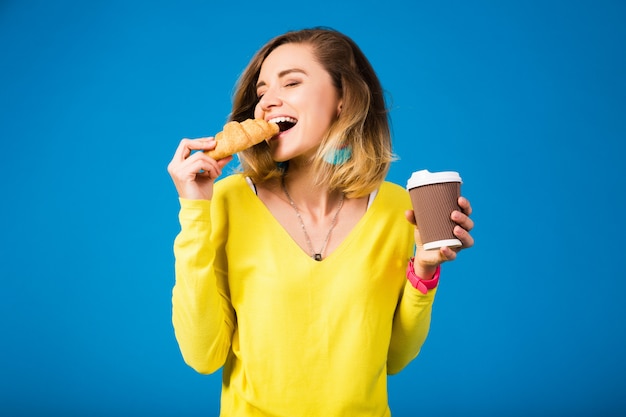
276	225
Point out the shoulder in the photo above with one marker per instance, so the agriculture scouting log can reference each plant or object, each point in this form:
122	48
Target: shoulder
232	196
387	212
393	193
391	201
230	185
232	191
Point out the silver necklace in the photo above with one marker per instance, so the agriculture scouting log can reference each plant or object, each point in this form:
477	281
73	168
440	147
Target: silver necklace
315	255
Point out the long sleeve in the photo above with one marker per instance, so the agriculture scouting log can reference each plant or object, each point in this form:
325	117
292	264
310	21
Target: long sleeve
410	327
202	318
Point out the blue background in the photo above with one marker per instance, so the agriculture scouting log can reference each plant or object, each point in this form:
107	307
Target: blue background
526	99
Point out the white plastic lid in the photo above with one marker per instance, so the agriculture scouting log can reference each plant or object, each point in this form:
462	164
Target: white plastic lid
451	243
424	177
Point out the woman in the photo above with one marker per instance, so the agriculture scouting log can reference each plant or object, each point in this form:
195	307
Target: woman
292	274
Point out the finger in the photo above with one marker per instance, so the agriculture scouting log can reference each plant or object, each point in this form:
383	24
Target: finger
202	164
222	162
462	220
203	144
186	146
447	254
188	169
410	216
211	172
432	258
465	206
199	156
463	235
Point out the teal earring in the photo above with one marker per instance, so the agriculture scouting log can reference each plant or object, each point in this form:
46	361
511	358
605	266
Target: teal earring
338	156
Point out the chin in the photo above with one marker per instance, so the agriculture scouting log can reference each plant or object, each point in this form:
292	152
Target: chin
280	160
279	154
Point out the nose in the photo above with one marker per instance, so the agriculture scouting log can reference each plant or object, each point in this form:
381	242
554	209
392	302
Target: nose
269	99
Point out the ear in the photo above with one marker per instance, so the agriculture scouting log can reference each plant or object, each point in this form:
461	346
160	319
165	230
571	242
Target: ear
339	107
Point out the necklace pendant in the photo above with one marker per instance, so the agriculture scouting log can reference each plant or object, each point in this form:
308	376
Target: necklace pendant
315	256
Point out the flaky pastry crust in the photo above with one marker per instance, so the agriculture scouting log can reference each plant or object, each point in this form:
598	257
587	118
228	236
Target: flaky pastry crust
236	137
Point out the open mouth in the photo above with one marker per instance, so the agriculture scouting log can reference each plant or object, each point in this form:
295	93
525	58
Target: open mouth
284	123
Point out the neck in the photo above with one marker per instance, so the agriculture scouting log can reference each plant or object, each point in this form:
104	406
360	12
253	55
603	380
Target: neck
317	220
316	200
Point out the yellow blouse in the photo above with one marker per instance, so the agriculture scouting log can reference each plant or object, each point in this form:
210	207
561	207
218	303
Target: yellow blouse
296	337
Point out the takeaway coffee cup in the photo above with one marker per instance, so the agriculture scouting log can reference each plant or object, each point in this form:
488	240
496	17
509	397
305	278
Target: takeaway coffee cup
435	196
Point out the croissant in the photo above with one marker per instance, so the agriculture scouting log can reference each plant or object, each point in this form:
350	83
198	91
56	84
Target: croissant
237	137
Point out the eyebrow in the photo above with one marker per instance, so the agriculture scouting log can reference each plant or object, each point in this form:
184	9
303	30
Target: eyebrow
282	74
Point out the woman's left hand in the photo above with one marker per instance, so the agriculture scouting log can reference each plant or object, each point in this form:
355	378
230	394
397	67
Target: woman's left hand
426	261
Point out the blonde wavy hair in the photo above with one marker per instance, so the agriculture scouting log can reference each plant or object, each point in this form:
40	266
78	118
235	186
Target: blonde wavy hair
362	125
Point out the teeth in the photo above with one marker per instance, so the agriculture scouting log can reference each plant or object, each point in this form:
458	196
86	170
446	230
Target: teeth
283	119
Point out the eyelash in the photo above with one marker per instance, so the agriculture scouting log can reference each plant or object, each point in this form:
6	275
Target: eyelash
289	84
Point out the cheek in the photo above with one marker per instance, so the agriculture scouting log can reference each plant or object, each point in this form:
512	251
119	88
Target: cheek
258	113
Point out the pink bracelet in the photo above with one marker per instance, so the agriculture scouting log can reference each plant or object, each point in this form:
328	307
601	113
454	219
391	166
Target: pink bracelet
422	285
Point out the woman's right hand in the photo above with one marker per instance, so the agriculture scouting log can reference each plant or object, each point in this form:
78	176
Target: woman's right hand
194	173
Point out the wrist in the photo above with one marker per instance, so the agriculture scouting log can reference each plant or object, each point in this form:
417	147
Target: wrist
420	283
424	272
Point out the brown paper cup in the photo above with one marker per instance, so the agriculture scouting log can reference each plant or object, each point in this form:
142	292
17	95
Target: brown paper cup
435	196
